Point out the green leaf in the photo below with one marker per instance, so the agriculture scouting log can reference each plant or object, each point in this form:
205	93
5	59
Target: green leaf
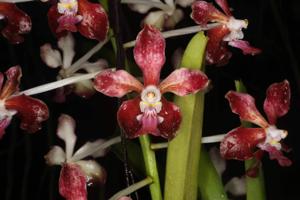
184	150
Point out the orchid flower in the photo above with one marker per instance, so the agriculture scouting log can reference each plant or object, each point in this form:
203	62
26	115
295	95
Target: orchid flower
17	22
31	111
149	112
54	59
168	15
229	32
90	19
76	173
244	143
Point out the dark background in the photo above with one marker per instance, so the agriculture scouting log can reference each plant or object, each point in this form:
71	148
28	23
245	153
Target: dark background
273	27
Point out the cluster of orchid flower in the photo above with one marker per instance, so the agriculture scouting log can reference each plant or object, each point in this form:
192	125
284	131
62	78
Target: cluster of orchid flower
148	112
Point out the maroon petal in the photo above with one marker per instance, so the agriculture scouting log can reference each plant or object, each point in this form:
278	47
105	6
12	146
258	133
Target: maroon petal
3	124
184	81
149	54
116	83
72	182
277	102
277	155
203	12
1	80
244	105
53	17
67	23
127	117
18	22
11	85
94	24
216	50
240	143
245	47
172	119
31	111
225	7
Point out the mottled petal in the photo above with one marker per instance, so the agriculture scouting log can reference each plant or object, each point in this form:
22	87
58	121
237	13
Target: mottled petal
68	23
94	24
127	117
277	102
66	132
31	111
204	12
216	49
244	105
245	47
51	57
56	156
225	7
236	186
149	54
155	18
13	76
93	171
184	3
72	182
116	83
184	81
171	119
66	44
18	23
4	122
277	155
240	143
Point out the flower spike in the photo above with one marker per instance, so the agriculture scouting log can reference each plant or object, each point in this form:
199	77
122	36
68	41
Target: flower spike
150	112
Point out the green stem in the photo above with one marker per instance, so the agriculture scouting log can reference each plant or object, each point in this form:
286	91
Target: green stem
184	150
255	186
162	145
210	183
132	188
151	167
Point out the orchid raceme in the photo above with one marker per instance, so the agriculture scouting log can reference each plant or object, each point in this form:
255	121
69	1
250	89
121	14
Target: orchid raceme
90	19
168	15
31	111
54	59
17	22
228	33
76	173
244	143
150	112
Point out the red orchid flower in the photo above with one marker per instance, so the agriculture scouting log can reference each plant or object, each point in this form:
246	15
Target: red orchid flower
229	32
31	111
244	143
150	112
90	19
17	22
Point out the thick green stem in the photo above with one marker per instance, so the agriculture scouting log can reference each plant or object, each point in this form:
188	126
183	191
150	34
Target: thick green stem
151	167
184	150
255	186
210	183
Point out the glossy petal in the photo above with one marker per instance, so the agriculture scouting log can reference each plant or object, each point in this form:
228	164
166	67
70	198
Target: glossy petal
244	105
93	171
51	57
216	50
56	156
149	54
4	122
72	182
204	12
184	81
18	22
116	83
245	47
31	111
225	7
277	102
127	114
13	76
240	143
277	155
66	132
94	24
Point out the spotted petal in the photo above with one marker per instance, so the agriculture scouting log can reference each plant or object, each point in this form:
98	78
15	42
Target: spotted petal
72	182
184	81
244	105
245	47
277	102
13	76
18	22
116	83
94	24
149	54
240	143
31	111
